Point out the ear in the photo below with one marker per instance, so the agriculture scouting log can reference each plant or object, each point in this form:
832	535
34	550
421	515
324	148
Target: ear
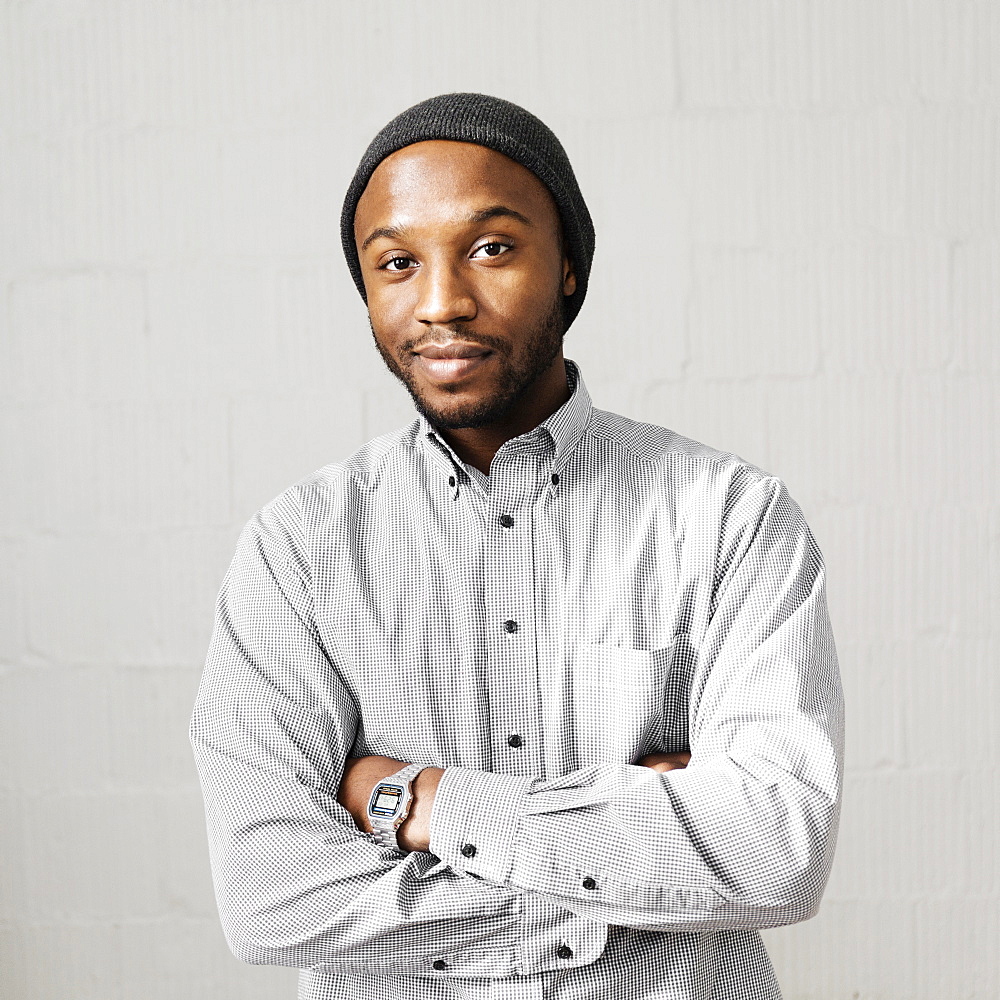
569	278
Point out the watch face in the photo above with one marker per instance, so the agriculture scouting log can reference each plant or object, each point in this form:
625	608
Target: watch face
385	800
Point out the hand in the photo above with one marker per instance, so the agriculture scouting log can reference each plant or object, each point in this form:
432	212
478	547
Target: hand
362	774
665	761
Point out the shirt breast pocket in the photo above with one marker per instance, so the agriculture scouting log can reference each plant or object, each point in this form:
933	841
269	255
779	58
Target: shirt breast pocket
618	696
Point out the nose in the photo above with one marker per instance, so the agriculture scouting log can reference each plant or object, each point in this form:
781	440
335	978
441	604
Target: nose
444	296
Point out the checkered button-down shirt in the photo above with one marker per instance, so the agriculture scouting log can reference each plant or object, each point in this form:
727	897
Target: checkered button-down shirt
611	590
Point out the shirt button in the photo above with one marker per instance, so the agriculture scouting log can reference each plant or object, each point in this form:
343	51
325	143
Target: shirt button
468	850
555	479
510	626
564	951
439	964
451	480
515	741
506	520
589	883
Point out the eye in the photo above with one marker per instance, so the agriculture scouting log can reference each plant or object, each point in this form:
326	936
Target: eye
398	264
491	249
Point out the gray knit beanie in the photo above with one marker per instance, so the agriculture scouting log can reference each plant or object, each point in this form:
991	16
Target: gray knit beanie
496	124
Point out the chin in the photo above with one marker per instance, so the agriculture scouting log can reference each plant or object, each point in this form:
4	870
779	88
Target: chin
456	415
453	418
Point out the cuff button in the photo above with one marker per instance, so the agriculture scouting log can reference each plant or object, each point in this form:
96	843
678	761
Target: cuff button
564	951
468	850
589	883
439	964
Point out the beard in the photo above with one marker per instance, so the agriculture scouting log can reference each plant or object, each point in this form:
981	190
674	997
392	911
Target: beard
515	379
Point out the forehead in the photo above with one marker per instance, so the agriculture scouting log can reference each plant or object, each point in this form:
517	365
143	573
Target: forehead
439	180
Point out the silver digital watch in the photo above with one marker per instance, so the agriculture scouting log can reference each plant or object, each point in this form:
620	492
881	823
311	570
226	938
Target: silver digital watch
389	804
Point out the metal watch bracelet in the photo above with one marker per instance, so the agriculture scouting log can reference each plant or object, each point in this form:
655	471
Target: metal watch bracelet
384	828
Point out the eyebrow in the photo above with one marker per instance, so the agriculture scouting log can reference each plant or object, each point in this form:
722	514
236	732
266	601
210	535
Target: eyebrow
387	231
483	215
496	212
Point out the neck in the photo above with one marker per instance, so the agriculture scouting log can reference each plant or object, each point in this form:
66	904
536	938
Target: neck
476	446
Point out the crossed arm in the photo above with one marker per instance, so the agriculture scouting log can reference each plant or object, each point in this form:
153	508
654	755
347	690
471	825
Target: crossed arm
362	774
743	837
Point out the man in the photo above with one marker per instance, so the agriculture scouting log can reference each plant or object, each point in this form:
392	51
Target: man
455	680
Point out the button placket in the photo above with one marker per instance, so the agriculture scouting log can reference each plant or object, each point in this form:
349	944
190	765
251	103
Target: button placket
509	574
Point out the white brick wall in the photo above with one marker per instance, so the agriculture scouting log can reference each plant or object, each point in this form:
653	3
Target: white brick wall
798	214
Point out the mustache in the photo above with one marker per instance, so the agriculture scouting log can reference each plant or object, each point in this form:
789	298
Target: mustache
456	332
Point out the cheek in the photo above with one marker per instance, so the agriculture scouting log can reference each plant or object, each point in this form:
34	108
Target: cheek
521	294
389	314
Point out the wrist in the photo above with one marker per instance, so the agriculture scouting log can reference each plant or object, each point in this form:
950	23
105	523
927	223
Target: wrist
415	832
361	775
426	783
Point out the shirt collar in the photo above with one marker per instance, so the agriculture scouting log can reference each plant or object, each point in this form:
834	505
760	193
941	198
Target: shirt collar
561	431
567	424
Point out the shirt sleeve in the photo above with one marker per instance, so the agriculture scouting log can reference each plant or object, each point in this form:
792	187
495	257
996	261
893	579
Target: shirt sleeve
297	882
744	836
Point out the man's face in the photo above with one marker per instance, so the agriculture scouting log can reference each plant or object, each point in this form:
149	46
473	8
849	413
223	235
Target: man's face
465	277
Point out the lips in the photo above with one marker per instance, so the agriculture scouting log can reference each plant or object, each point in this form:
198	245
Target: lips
450	362
456	349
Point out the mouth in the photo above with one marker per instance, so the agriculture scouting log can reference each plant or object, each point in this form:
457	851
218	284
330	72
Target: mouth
450	362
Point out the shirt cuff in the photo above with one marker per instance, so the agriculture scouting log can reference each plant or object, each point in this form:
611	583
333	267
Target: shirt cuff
475	819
